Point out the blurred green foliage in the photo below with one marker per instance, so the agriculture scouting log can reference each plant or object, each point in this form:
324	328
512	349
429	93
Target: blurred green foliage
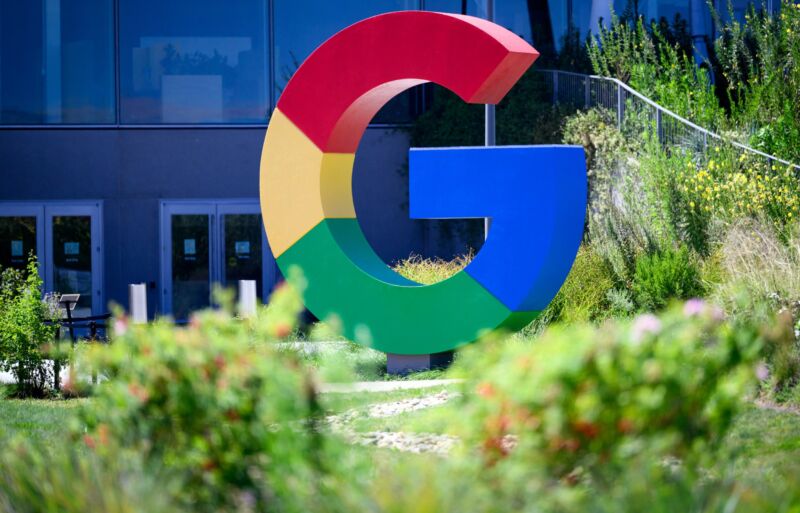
587	403
234	419
215	417
23	332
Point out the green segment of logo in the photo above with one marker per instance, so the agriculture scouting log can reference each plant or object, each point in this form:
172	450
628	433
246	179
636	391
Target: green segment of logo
354	289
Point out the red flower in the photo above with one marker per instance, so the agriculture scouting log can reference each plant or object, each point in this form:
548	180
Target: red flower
283	330
102	434
139	392
587	429
625	425
485	389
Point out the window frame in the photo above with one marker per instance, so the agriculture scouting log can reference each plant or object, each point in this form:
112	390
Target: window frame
44	211
271	96
214	208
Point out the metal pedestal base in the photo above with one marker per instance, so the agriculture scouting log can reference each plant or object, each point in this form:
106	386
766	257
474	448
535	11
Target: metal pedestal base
403	363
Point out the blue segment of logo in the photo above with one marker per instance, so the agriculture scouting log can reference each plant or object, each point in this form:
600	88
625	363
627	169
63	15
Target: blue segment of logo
536	199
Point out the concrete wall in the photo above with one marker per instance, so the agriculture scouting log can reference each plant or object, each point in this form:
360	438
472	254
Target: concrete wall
133	169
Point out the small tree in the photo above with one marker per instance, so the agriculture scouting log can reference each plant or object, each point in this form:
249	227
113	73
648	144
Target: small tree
23	330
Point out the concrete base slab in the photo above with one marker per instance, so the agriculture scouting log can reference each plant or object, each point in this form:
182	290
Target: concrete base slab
385	386
404	363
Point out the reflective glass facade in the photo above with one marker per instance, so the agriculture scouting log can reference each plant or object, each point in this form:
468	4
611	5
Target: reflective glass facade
655	9
183	61
201	62
56	62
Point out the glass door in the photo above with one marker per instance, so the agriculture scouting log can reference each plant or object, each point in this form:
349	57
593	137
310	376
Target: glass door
21	235
208	243
242	241
73	262
187	271
67	240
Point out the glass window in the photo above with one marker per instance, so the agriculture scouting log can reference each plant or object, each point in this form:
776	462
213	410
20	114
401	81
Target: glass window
515	15
72	260
17	241
297	34
183	61
653	10
56	61
243	249
191	271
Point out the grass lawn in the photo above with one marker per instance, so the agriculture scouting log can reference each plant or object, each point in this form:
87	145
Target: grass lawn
766	442
45	421
40	421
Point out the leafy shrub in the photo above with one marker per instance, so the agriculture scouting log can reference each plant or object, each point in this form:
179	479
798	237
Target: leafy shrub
617	50
620	303
235	419
596	400
23	331
584	295
645	57
605	146
730	186
759	60
665	275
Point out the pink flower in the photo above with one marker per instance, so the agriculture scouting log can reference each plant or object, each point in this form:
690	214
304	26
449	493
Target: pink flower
120	325
644	325
762	371
694	307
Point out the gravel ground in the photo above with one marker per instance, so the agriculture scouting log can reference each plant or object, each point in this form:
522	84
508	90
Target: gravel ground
408	442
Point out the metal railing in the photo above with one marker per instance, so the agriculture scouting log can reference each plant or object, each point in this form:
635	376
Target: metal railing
97	327
635	109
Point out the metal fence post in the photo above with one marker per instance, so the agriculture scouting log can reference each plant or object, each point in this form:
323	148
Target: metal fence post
659	132
587	97
93	335
555	87
619	106
57	362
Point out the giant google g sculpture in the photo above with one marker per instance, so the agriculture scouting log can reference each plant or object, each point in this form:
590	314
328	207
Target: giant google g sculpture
535	195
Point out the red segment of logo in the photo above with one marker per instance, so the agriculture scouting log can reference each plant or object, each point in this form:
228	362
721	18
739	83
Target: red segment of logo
340	87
